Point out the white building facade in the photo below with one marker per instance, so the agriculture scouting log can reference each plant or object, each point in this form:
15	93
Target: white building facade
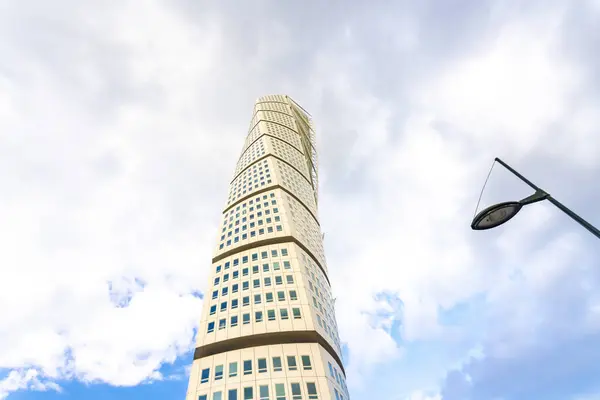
268	329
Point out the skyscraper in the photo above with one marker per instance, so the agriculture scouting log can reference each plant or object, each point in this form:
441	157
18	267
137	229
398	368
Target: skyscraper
268	329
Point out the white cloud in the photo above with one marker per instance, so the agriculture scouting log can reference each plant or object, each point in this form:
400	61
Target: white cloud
25	379
420	395
87	203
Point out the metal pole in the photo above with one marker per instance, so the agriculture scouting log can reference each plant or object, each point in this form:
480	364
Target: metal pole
593	230
521	177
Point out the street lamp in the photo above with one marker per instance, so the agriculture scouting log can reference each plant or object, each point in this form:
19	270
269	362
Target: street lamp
498	214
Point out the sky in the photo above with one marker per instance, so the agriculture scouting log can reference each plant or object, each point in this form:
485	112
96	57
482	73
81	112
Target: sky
120	126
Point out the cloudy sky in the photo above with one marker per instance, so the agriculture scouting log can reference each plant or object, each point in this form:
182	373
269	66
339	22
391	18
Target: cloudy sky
120	125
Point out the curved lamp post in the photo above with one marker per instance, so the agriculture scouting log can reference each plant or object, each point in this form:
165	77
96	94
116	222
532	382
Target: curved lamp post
498	214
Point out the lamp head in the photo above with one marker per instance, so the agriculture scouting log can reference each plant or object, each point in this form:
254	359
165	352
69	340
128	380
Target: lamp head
495	215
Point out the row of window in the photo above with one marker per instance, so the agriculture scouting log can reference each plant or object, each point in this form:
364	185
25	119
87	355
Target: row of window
289	279
258	214
266	267
269	298
261	367
246	180
263	256
258	317
307	229
236	194
244	236
252	224
263	392
250	205
293	181
253	152
339	378
267	281
263	209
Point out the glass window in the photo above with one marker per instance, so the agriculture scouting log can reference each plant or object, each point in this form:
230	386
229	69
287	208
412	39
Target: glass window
225	277
264	254
224	291
218	395
205	375
245	259
311	388
284	313
256	283
245	272
234	320
246	318
276	266
218	372
277	364
224	306
291	361
271	315
290	279
215	294
273	253
278	280
246	300
245	285
257	299
286	265
269	297
281	296
227	265
232	394
213	309
293	295
202	397
279	391
259	316
296	393
296	313
262	365
267	281
211	327
234	303
247	367
234	288
330	368
248	393
236	274
263	391
218	269
222	323
306	363
254	256
284	252
232	369
255	269
217	280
